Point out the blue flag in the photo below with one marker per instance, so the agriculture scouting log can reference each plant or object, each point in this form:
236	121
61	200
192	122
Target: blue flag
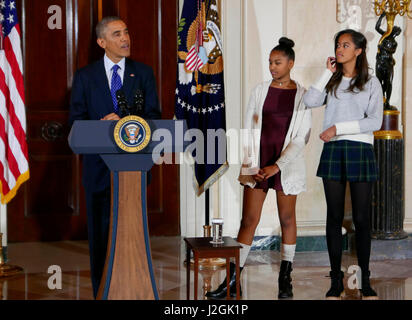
200	97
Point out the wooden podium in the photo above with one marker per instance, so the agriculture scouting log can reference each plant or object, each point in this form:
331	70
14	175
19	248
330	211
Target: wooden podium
128	272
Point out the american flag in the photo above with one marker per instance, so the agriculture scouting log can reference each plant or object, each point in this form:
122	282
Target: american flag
202	109
193	61
14	166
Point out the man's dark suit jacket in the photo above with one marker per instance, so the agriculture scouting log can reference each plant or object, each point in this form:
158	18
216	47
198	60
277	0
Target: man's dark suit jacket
91	100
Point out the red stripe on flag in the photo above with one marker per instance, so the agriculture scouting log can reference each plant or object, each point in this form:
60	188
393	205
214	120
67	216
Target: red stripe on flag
5	189
17	26
11	160
191	57
190	64
18	129
15	69
195	63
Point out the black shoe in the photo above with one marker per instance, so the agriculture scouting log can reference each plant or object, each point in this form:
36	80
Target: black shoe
285	281
221	291
337	290
367	292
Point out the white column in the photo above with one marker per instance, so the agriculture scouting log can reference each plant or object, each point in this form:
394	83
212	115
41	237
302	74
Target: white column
263	26
192	207
229	189
255	27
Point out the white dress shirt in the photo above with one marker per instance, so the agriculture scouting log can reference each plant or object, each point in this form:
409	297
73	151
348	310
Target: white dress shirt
108	65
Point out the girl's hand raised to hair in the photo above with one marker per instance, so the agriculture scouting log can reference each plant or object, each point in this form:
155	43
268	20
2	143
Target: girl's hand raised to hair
331	64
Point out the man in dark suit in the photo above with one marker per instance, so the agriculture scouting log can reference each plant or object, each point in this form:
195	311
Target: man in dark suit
94	98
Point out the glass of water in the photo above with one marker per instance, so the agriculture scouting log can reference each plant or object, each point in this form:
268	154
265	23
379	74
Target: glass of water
217	231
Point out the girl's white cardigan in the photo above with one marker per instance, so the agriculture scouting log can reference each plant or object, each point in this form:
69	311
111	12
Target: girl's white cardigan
291	162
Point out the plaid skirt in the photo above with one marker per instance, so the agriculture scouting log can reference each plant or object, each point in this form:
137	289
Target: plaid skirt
348	161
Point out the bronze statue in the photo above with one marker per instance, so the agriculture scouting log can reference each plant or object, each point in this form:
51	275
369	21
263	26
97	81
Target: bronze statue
384	59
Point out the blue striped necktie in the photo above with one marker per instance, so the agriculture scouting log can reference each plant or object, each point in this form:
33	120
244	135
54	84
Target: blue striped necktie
116	85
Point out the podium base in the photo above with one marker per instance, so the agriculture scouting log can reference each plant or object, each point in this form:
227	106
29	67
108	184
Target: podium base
9	270
128	272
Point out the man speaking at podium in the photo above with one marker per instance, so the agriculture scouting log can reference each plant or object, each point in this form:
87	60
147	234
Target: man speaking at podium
94	98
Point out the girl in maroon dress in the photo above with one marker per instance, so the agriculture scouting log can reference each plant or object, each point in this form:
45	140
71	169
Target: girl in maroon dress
275	161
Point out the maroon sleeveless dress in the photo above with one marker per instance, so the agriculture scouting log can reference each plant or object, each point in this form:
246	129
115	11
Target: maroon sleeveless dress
276	117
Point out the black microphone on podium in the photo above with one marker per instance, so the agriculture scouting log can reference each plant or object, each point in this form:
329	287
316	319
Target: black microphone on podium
138	103
122	103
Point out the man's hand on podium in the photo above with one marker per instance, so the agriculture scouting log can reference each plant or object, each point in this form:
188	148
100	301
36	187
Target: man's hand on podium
111	117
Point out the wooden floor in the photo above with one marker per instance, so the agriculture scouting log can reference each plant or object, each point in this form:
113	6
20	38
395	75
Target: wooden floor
392	279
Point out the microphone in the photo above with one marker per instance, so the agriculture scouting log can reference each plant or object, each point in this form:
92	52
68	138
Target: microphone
138	103
122	103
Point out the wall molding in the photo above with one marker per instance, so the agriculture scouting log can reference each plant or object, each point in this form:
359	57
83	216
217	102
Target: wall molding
407	225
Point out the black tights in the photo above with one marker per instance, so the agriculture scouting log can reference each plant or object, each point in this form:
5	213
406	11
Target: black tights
361	194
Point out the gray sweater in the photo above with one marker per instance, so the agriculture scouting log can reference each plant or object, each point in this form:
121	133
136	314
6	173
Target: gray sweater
355	115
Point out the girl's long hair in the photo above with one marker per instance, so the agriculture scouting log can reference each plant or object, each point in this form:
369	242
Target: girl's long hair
362	65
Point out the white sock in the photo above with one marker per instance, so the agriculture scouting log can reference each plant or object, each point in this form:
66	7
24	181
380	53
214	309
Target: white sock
244	252
288	252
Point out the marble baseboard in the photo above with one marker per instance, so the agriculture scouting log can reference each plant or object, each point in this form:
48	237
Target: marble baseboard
407	226
303	244
391	249
380	249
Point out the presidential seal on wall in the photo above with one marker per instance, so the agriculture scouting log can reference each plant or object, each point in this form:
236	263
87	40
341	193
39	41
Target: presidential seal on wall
132	134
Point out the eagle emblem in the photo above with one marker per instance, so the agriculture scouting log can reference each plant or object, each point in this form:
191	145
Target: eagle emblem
204	50
132	134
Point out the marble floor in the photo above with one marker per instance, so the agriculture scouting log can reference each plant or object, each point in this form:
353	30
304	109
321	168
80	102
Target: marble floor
392	279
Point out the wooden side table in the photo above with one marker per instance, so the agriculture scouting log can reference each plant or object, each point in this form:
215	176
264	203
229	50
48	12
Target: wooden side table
202	248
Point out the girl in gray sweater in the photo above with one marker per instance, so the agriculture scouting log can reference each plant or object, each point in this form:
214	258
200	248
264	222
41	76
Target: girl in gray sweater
354	110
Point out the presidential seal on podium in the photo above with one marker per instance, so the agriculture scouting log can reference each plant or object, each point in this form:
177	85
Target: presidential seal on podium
132	134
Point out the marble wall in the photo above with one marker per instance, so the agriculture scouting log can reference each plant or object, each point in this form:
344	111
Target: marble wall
314	43
250	29
407	123
263	27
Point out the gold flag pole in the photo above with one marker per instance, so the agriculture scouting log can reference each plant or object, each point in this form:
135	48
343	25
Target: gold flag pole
5	269
210	264
207	266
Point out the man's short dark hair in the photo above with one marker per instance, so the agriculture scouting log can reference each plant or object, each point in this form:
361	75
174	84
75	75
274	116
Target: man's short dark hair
102	25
